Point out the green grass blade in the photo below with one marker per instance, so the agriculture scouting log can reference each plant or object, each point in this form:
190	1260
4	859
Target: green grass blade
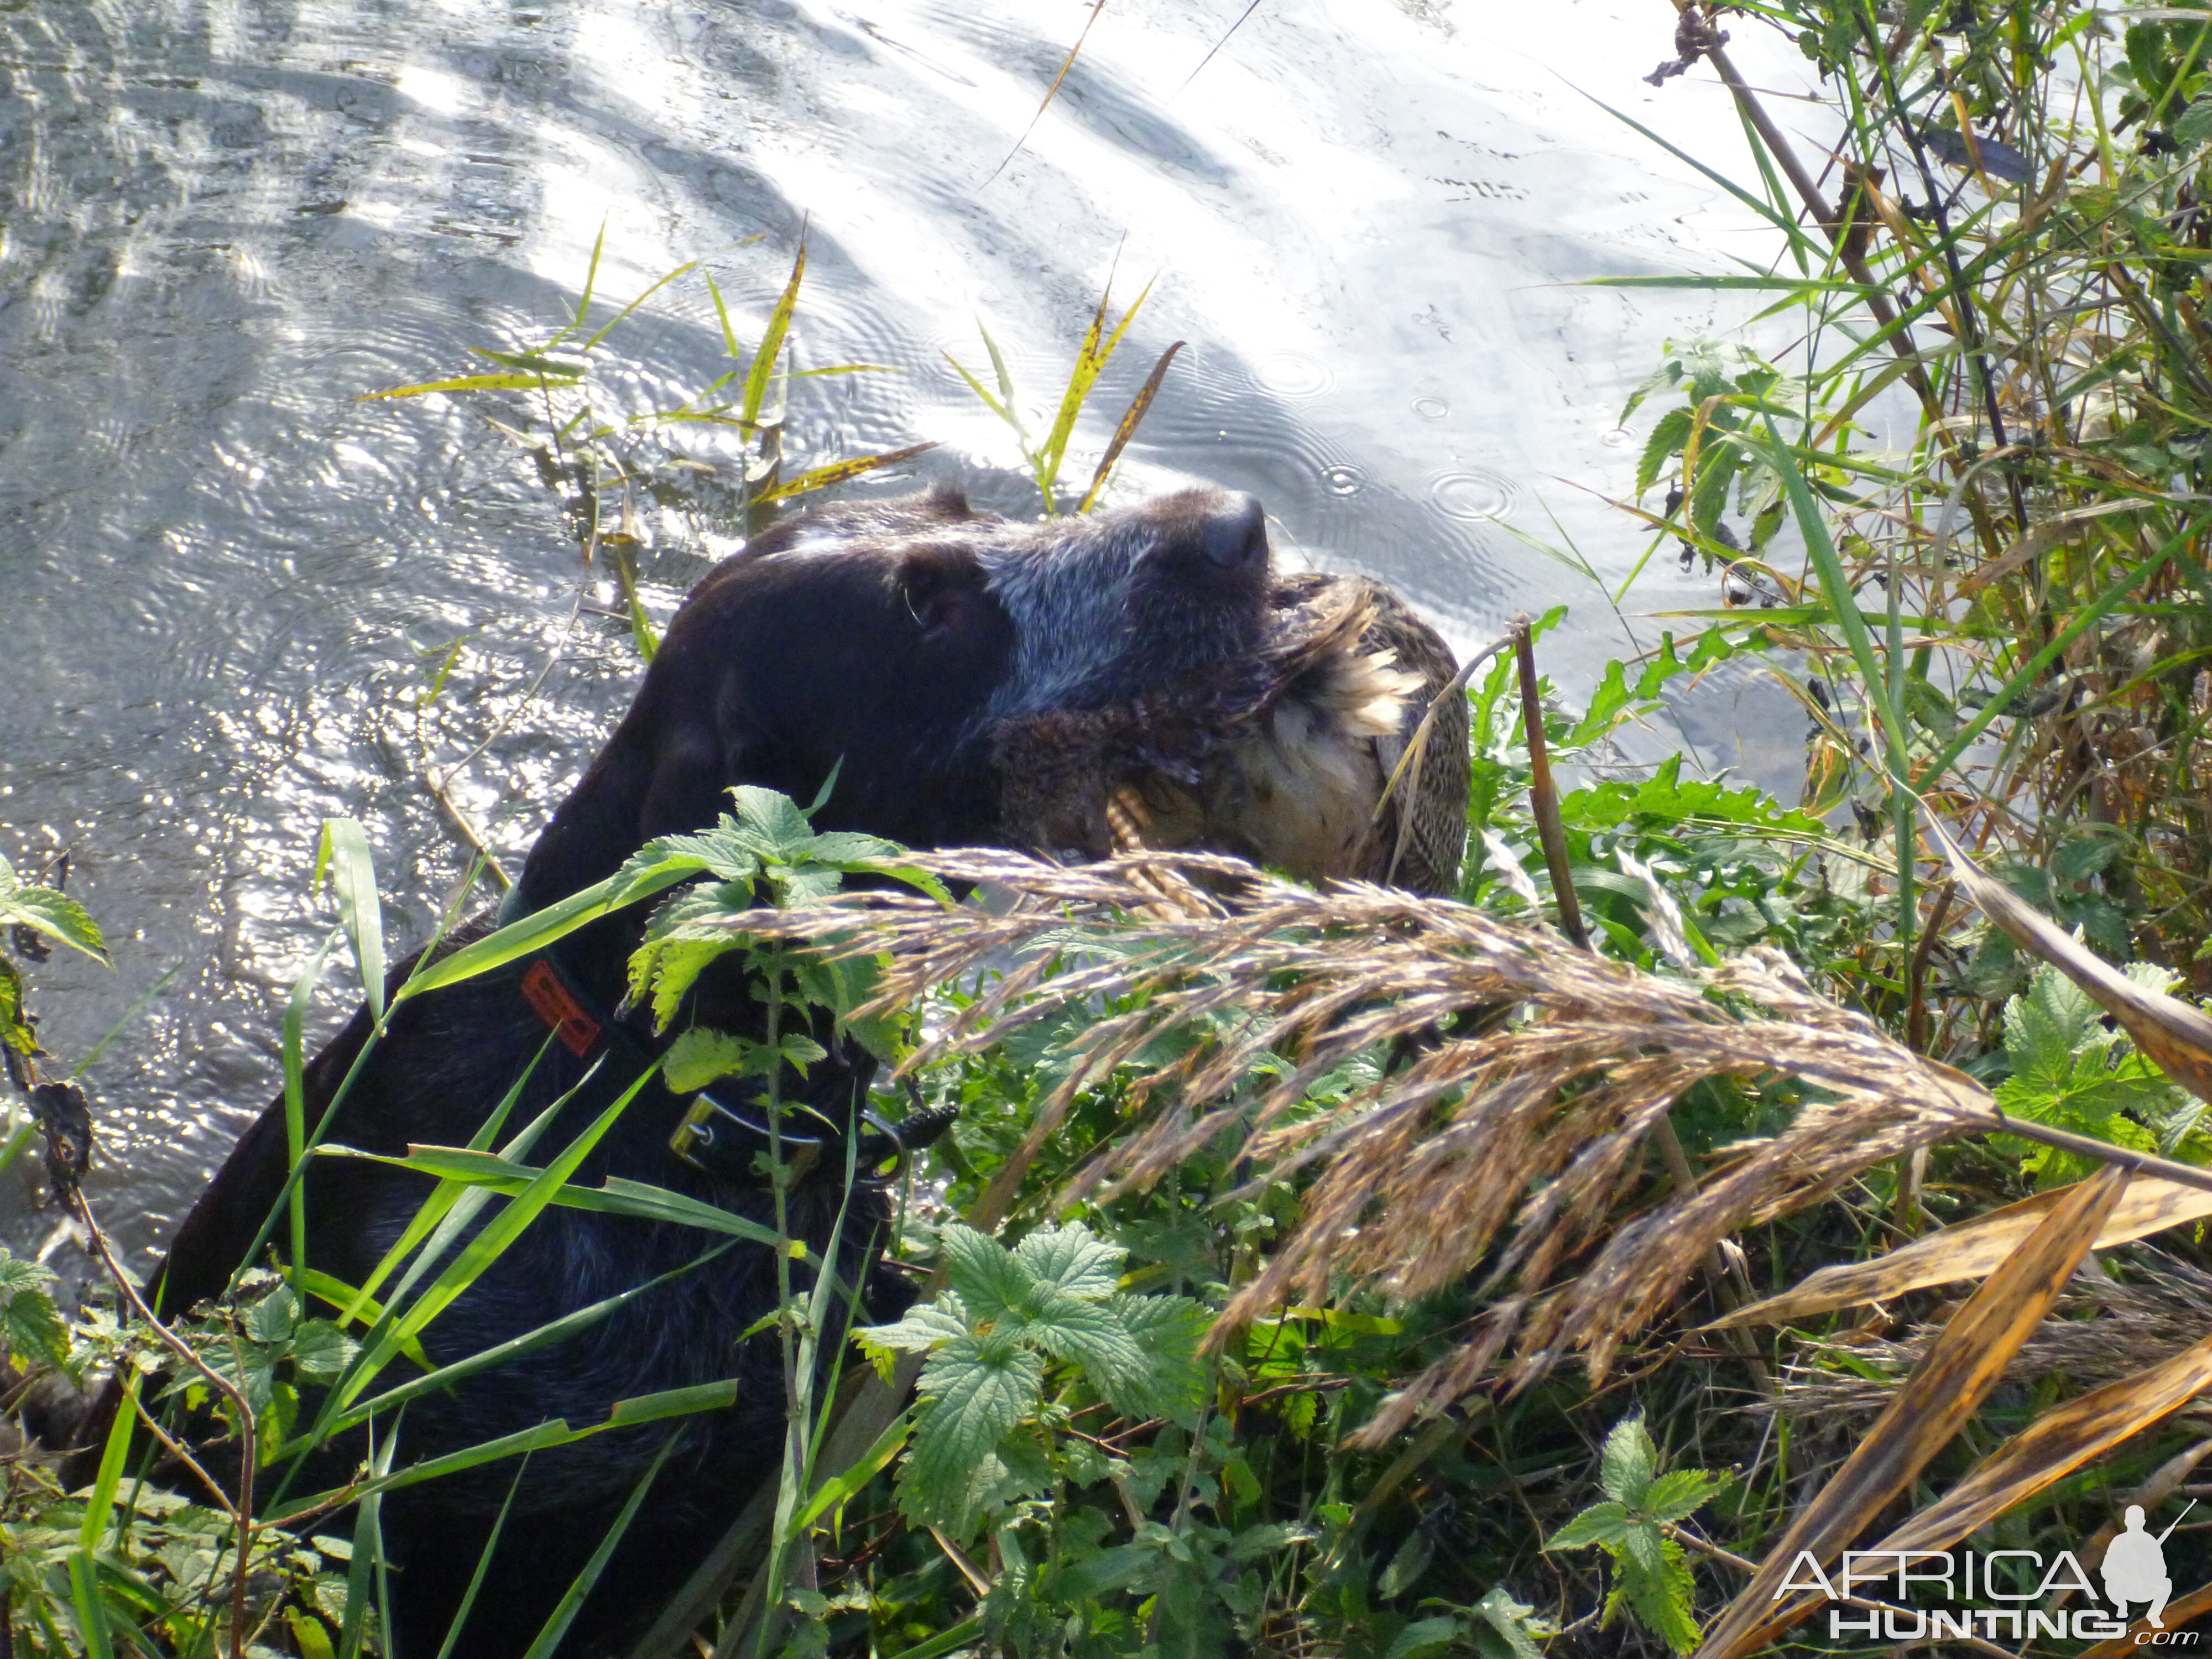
553	368
1783	221
445	1376
962	1635
1010	404
835	1494
1791	285
554	1431
91	1610
1842	606
838	471
349	1303
477	1256
483	1561
99	1505
2090	615
462	383
772	338
617	1197
364	1575
564	1614
591	285
296	1101
729	334
635	303
460	1213
1090	362
426	1220
1002	411
345	853
534	932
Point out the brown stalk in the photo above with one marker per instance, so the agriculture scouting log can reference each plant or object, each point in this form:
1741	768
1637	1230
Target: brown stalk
1833	225
1916	1017
1971	1250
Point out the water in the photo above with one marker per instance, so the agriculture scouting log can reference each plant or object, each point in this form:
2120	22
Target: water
225	583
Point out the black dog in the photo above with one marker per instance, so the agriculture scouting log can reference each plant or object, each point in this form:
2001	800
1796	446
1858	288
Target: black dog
886	643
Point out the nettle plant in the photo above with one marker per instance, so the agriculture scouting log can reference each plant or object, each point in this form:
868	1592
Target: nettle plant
987	1433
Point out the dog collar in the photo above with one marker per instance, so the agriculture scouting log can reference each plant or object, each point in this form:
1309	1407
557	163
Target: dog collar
713	1135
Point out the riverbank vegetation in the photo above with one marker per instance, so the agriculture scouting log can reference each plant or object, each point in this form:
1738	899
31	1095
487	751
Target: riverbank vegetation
1728	1179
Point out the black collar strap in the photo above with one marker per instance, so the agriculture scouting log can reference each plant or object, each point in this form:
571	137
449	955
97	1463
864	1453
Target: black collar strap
713	1135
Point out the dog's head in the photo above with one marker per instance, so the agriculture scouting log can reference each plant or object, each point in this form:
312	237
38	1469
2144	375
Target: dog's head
882	641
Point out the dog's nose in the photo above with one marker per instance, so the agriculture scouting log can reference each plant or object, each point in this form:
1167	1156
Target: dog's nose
1235	533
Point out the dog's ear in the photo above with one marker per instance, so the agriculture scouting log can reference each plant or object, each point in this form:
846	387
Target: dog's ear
939	589
666	770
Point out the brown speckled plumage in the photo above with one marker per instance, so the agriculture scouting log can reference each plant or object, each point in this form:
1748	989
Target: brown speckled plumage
1283	758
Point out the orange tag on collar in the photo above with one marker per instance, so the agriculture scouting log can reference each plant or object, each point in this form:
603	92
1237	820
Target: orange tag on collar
549	999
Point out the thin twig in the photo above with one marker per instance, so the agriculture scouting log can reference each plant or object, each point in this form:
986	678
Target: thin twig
1418	746
243	1512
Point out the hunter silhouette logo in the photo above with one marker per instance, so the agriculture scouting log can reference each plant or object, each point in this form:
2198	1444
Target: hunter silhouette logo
2011	1595
2135	1567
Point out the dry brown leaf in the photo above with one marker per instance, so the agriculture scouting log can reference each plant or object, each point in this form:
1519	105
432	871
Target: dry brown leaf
2047	1450
2175	1036
1930	1408
2040	539
2053	1446
1969	1250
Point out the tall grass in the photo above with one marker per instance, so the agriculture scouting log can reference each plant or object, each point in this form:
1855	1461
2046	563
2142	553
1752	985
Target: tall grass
2003	614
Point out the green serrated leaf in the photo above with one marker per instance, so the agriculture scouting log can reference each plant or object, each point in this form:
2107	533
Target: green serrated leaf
990	1280
1661	1591
1072	1260
1678	1493
701	1054
1170	1330
1717	460
2079	857
973	1391
772	823
1665	442
321	1351
30	1324
924	1327
272	1318
1603	1523
1509	1625
1628	1462
49	911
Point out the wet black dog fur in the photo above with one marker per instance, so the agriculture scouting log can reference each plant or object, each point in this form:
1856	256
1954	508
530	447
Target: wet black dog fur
882	639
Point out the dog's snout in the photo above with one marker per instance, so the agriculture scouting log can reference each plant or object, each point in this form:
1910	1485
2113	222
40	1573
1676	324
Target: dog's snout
1235	533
